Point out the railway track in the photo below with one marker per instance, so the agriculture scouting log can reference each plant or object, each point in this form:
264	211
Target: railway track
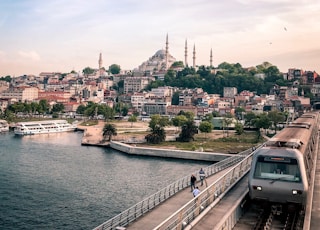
269	218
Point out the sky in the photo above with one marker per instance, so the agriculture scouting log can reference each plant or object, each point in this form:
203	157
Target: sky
64	35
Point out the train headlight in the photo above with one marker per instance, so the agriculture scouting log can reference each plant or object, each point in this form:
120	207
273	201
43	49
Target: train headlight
296	192
259	188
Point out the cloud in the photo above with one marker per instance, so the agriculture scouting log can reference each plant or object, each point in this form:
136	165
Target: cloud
31	55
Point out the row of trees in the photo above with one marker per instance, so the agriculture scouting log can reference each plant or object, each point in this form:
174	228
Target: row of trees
227	75
185	120
31	109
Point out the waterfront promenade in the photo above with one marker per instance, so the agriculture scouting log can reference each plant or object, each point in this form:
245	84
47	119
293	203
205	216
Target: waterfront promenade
93	136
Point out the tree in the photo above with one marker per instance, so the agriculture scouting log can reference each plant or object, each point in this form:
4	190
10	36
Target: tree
188	114
114	69
109	130
81	109
87	71
208	117
175	98
276	117
157	120
239	112
188	130
44	106
57	108
226	121
132	119
262	121
179	120
178	64
157	125
157	136
205	127
239	128
249	119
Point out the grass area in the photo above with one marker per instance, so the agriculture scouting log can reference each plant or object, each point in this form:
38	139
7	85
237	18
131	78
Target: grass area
89	123
232	144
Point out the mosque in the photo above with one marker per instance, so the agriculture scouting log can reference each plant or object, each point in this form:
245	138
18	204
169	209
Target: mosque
162	60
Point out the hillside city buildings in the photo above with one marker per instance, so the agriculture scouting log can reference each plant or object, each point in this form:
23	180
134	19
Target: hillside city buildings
74	89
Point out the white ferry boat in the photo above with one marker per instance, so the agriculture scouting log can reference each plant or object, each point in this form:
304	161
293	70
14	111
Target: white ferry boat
43	127
4	126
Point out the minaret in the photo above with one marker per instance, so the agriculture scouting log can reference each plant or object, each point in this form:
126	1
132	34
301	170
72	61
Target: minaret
167	52
186	54
100	61
194	56
211	58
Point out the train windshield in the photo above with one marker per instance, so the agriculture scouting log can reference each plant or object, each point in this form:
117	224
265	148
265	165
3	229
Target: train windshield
277	168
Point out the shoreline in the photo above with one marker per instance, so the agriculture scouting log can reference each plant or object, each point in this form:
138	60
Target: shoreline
92	136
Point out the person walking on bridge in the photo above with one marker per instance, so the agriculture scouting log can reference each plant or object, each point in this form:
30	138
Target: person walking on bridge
193	182
202	176
196	192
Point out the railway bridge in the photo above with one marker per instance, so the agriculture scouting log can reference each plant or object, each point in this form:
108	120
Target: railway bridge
220	204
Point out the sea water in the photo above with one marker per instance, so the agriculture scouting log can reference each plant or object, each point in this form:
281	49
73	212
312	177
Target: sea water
50	181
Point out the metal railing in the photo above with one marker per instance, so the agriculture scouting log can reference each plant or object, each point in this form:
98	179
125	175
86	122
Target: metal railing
208	197
131	214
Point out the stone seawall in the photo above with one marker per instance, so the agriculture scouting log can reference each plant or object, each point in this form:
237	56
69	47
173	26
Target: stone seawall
168	153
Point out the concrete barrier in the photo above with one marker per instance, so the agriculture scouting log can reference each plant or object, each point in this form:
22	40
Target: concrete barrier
168	153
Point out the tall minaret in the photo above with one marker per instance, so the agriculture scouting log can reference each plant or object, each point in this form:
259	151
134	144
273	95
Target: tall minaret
211	58
167	51
186	54
194	56
100	61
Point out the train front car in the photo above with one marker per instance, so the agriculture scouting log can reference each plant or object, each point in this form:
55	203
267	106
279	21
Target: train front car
277	177
280	171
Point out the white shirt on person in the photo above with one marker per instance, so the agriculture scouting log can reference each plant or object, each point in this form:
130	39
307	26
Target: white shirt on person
196	192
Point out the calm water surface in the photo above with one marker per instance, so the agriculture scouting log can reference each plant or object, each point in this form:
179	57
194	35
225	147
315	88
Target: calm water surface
52	182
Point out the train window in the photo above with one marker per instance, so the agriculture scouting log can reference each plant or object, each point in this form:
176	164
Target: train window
283	169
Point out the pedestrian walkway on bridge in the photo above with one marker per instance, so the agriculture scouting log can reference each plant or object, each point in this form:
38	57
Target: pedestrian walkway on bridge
175	204
160	213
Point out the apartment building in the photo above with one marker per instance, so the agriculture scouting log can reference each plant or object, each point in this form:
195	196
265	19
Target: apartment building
21	94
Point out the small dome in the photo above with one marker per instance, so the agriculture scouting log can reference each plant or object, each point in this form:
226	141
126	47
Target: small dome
160	53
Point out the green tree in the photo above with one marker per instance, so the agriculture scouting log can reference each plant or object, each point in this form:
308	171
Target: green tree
239	128
188	114
43	106
178	64
157	125
262	121
108	131
206	127
132	119
188	130
114	69
6	78
157	120
179	120
208	117
81	109
249	119
157	136
226	122
57	108
276	117
175	98
87	71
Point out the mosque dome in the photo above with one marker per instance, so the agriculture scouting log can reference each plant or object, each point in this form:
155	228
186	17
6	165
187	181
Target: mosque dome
160	53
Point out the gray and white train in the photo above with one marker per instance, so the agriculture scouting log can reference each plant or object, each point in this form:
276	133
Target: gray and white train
281	170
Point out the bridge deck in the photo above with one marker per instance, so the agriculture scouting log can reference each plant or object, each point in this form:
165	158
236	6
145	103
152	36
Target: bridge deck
215	217
315	211
152	219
